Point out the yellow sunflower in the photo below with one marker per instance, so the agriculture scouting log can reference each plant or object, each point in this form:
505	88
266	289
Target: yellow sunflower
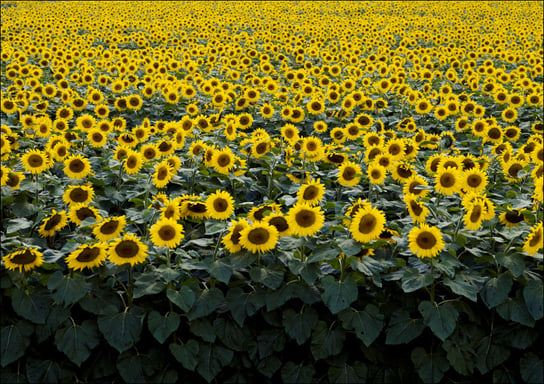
163	174
110	228
133	163
367	224
311	192
259	237
474	215
305	220
14	179
231	240
167	232
80	212
474	180
55	222
258	213
87	256
376	173
512	217
415	186
127	249
220	205
448	181
77	167
533	242
279	220
349	174
417	210
78	194
425	241
223	160
27	259
35	161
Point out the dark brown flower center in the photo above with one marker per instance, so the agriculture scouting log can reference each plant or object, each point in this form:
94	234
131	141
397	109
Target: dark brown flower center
53	221
27	257
163	172
416	208
280	223
223	160
476	213
88	255
404	172
109	227
76	166
197	207
514	218
167	232
127	249
349	173
220	205
514	170
537	238
261	148
235	237
474	181
79	195
305	218
35	160
84	212
447	180
367	223
258	236
426	240
310	192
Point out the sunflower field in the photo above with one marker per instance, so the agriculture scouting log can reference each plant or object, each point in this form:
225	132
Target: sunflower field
298	192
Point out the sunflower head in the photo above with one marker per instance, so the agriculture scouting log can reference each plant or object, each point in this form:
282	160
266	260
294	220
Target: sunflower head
259	237
25	259
87	256
425	241
305	220
128	249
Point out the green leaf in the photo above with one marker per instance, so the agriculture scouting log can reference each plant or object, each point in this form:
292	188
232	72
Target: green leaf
77	341
46	371
162	326
184	299
271	276
122	330
147	284
345	373
402	328
236	337
239	304
186	354
412	280
203	328
338	295
269	365
221	270
211	360
325	341
515	263
293	373
460	348
533	296
18	225
531	368
308	272
515	309
206	303
350	247
270	341
323	252
496	290
442	319
299	325
430	367
367	324
34	307
466	285
130	367
489	355
68	290
15	340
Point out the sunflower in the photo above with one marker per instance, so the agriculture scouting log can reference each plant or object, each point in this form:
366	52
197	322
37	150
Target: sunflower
134	102
349	174
402	171
533	242
258	213
415	185
417	210
80	212
474	180
305	220
509	114
423	106
14	179
289	133
267	111
315	107
474	215
376	173
512	217
78	194
133	163
353	209
367	224
448	181
163	174
128	249
231	240
259	237
87	256
9	106
425	241
55	222
26	258
194	208
77	167
279	221
223	160
35	161
220	205
166	233
110	228
97	138
311	192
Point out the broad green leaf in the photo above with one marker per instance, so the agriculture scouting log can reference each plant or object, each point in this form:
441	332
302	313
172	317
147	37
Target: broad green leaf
515	309
211	360
430	367
349	247
402	328
338	295
162	326
34	307
308	272
270	341
186	354
299	325
67	290
18	225
122	330
206	303
531	368
268	366
15	340
221	270
533	296
465	284
277	298
77	341
325	341
203	328
412	280
367	324
147	284
134	368
489	355
345	373
56	317
323	252
442	319
232	335
461	346
496	290
184	298
46	371
297	373
239	303
271	276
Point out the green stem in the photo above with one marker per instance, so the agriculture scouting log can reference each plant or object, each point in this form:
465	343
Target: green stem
130	286
342	267
433	283
119	177
168	257
217	246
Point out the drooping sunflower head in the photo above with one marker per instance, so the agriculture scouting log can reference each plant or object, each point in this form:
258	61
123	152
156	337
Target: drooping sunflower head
110	228
533	242
258	213
87	256
55	222
231	240
25	259
80	212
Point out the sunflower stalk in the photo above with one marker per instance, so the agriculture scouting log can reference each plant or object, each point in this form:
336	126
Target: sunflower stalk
130	286
119	177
